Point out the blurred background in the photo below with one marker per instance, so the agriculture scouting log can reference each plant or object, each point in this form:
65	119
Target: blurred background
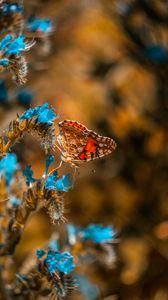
106	66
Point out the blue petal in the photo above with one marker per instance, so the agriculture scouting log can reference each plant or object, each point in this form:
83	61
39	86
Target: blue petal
16	46
40	253
41	25
59	261
64	183
28	173
51	180
46	115
28	114
4	62
5	42
49	161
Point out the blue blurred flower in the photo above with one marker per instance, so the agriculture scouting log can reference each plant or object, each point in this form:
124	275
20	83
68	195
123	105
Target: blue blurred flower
88	289
28	173
12	8
54	245
63	183
59	261
72	233
43	113
157	54
15	201
8	166
39	25
98	234
3	92
25	97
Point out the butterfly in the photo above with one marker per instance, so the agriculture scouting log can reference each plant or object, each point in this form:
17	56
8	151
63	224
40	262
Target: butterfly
79	144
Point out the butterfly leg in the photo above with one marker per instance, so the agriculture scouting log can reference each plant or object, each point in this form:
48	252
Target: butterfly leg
58	167
58	147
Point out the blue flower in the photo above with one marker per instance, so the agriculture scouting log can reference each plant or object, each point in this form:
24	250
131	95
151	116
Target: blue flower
98	234
14	46
43	113
46	114
15	201
88	289
60	184
59	261
28	173
49	161
39	25
8	166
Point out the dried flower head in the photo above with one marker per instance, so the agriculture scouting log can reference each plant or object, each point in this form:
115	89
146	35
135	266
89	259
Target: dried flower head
11	17
11	56
41	27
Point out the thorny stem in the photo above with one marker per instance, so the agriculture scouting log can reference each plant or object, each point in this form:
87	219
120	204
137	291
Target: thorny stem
18	127
17	224
15	230
7	146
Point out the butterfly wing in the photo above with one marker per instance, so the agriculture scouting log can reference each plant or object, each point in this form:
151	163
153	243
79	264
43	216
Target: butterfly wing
72	138
80	144
97	146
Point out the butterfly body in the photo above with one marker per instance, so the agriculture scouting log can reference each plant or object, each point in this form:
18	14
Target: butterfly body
80	144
